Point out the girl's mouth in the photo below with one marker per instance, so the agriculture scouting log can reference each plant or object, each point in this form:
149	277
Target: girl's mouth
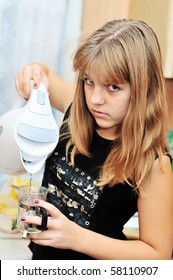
98	114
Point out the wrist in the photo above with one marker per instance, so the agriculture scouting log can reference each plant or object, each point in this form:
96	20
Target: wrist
78	236
44	68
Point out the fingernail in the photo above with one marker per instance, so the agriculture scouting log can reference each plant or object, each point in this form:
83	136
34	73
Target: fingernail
23	218
35	85
36	201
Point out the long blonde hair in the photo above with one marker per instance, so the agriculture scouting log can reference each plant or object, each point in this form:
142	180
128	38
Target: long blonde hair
123	50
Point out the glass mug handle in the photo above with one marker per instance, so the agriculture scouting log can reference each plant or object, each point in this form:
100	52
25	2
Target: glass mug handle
44	219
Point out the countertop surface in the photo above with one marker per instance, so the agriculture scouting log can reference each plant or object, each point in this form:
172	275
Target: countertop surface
12	245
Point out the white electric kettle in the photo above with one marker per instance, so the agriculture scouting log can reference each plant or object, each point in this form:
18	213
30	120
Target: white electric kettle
28	134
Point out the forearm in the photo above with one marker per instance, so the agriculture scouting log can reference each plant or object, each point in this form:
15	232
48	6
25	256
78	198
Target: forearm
106	248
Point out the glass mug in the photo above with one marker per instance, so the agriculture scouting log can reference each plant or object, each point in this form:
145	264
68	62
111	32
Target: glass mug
27	207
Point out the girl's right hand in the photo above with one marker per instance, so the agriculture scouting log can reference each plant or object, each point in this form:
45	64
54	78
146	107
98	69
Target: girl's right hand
30	72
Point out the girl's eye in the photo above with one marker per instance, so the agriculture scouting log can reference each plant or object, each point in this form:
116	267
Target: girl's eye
113	88
88	82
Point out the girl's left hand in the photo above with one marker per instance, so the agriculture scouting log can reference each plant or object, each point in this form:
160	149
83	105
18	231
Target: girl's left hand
61	233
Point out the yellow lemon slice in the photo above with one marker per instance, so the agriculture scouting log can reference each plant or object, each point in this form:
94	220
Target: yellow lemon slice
9	211
13	194
3	202
18	182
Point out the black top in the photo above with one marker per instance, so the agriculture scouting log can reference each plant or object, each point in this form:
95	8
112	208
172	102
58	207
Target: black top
103	211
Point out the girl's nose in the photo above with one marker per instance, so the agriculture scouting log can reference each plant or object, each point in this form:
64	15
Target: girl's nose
98	96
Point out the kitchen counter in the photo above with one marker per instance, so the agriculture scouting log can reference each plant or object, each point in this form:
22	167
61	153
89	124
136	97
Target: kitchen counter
12	246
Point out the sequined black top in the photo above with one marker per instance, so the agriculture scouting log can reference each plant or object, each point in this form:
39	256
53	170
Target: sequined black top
78	197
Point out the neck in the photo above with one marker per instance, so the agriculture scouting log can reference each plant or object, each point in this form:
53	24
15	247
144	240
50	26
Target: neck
109	134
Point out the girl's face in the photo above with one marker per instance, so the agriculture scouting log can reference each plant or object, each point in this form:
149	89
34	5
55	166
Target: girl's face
108	105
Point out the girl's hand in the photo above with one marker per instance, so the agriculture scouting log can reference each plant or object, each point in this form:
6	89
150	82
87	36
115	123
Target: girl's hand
61	233
33	72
